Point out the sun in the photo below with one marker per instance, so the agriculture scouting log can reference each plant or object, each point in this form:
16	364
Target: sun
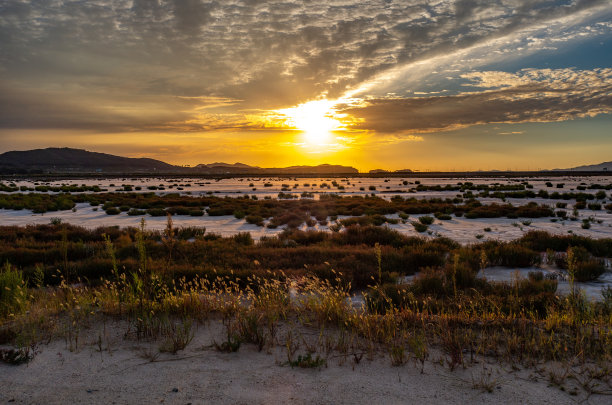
315	119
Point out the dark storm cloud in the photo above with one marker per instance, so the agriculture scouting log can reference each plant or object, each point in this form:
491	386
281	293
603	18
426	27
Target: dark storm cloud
532	95
265	54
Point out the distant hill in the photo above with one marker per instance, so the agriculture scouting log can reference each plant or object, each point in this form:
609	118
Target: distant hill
240	168
227	165
605	166
69	160
320	169
382	171
78	160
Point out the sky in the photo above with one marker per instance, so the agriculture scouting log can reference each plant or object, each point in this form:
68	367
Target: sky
422	85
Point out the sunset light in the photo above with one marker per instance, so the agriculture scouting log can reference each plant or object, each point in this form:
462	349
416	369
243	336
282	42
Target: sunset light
306	202
315	119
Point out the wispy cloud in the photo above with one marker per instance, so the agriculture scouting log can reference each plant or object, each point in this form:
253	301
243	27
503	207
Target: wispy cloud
531	95
184	65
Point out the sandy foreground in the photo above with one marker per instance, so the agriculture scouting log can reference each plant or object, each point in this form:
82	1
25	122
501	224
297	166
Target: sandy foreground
123	373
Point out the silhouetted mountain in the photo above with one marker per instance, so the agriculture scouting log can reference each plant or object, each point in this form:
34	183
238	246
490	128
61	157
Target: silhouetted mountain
78	160
228	165
320	169
383	171
68	160
240	168
605	166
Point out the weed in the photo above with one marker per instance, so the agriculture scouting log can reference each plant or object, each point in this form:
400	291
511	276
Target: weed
485	381
17	356
13	292
398	355
178	336
307	361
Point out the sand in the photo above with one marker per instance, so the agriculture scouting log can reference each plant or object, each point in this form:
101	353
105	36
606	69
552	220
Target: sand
201	375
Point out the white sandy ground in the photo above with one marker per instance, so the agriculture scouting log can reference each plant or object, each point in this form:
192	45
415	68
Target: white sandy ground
121	374
462	230
352	185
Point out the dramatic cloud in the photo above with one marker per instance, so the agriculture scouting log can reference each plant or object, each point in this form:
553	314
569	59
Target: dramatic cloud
531	95
116	65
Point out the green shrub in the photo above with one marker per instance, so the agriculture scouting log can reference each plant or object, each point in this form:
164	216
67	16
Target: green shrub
243	238
426	220
254	219
429	282
419	227
12	291
589	270
156	212
112	211
580	205
510	254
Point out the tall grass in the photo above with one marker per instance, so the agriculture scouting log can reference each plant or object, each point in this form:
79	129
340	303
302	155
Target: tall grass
13	292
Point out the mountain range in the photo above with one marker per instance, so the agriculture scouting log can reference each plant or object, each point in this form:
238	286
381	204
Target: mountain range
605	166
68	160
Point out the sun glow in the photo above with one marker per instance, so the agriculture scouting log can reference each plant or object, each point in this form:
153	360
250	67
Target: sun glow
315	119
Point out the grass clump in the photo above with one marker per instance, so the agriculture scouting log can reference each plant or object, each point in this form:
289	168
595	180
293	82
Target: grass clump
13	292
426	220
419	226
308	361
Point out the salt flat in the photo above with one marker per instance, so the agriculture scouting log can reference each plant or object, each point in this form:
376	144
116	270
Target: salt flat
462	230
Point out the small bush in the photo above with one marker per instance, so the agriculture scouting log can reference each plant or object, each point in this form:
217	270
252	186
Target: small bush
156	212
589	270
429	282
426	220
112	211
419	227
254	220
243	238
12	291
